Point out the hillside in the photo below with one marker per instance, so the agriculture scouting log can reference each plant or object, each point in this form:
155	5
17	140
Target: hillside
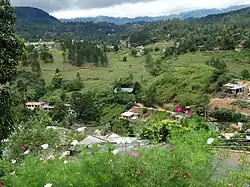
174	29
34	15
184	15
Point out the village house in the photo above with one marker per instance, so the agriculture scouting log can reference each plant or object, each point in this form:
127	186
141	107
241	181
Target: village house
138	111
121	144
38	105
130	115
234	89
124	90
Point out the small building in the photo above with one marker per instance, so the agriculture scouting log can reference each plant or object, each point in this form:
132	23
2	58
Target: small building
34	105
38	105
234	88
46	107
90	140
130	115
124	90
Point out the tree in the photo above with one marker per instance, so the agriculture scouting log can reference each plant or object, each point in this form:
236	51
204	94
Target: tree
116	48
133	52
104	59
150	97
153	67
245	74
86	106
59	112
78	76
157	49
141	37
125	58
11	50
57	80
149	61
51	58
217	63
35	64
64	55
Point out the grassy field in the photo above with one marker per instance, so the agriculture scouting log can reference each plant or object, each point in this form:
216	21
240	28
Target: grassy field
102	77
98	77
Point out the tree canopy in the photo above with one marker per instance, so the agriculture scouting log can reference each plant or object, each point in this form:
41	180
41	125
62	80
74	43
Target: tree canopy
11	49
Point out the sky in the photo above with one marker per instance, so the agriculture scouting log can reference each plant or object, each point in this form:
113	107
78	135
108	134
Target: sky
122	8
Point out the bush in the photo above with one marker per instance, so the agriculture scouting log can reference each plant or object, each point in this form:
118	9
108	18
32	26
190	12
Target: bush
31	135
225	115
160	131
74	85
173	165
157	49
125	58
245	74
133	52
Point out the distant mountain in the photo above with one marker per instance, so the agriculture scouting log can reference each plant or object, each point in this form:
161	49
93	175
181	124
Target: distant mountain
185	15
34	15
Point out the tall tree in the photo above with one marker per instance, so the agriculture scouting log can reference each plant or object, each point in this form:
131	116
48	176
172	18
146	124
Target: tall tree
116	48
57	80
35	64
86	106
11	49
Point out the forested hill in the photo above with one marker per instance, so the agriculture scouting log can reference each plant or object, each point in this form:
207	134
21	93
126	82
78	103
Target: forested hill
184	15
227	27
34	14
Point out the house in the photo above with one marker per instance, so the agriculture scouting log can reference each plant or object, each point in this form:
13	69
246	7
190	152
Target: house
235	89
38	105
124	90
91	140
34	105
46	107
130	115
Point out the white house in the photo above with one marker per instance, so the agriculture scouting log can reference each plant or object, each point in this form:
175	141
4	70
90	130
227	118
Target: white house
130	115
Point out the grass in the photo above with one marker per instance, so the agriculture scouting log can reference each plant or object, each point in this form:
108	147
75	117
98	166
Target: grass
102	77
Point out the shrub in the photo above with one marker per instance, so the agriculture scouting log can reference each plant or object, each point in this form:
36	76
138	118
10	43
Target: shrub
30	135
225	115
186	161
74	85
157	49
245	74
160	131
133	52
125	58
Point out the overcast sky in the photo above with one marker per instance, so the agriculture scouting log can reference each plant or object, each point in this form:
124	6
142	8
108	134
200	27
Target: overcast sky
122	8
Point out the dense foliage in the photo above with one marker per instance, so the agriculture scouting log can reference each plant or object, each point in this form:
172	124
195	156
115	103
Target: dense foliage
173	165
79	53
11	49
225	115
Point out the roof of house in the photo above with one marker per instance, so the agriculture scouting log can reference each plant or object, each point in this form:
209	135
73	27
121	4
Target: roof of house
126	90
233	86
128	114
112	135
89	140
34	103
47	106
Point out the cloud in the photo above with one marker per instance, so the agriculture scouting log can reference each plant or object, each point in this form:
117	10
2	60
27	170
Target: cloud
57	5
123	8
151	8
